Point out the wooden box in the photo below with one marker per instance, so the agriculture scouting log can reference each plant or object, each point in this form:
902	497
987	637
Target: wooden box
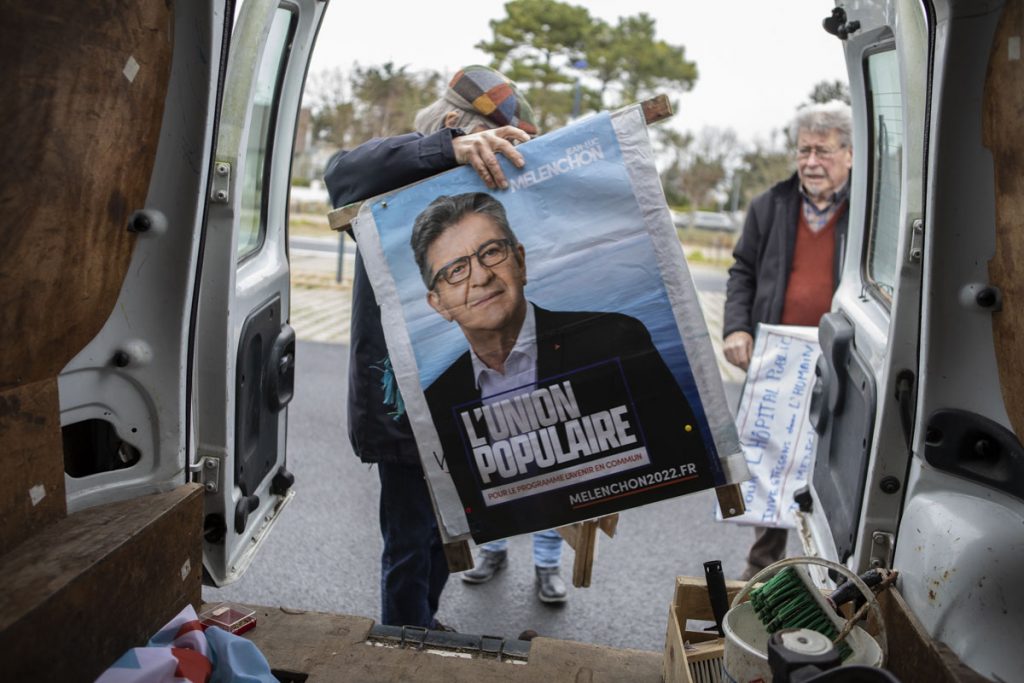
693	655
84	590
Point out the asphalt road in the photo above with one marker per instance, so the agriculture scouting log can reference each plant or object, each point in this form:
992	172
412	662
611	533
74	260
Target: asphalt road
324	553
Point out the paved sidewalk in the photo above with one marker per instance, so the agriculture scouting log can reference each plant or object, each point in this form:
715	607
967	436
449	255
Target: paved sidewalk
321	307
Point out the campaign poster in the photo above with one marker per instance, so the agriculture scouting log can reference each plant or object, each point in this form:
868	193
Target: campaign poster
775	430
547	339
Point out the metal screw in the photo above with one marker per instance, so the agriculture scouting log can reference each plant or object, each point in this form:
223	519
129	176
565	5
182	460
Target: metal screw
222	169
121	359
221	195
210	464
984	448
211	487
889	485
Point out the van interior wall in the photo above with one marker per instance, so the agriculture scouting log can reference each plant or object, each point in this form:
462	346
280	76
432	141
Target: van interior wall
81	103
1004	137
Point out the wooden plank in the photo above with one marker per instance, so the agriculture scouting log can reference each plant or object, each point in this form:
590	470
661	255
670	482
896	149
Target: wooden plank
1003	135
80	139
658	108
459	557
32	488
609	524
571	532
341	218
913	654
99	582
691	599
333	647
730	500
583	562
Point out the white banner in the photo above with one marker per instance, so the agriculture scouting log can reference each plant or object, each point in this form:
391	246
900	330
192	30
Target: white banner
775	432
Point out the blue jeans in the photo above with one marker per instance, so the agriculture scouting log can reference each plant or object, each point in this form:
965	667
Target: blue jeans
413	568
547	548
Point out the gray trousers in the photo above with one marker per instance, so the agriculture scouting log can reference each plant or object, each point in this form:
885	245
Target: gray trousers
769	546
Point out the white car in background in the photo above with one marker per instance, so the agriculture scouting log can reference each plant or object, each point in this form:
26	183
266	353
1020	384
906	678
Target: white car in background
704	220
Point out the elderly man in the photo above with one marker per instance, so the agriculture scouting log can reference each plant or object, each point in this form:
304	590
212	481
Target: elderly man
480	115
789	255
604	365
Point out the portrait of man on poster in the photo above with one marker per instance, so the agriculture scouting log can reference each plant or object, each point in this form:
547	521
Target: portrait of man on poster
599	367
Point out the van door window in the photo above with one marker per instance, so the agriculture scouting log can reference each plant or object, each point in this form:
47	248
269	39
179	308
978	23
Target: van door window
885	121
253	224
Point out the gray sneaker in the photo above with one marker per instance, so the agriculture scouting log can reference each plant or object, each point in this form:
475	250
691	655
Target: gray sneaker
550	586
487	565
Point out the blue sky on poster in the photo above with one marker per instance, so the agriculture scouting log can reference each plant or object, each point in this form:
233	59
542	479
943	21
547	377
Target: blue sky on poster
757	59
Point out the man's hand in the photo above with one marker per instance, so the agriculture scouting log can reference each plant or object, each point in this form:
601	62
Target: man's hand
479	149
737	348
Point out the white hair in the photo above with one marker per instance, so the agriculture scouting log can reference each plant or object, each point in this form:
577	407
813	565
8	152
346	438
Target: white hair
821	118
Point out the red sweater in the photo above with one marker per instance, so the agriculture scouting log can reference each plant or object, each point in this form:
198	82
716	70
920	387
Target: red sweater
811	280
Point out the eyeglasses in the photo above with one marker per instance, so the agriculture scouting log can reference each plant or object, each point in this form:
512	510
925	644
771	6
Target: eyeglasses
823	153
489	254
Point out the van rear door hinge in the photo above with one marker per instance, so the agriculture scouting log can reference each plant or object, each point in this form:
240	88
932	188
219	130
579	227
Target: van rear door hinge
883	546
220	188
916	251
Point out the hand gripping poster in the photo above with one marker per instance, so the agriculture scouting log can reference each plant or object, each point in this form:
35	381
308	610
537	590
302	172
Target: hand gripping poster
546	339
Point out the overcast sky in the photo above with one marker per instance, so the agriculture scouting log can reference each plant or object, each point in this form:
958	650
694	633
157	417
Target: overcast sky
757	59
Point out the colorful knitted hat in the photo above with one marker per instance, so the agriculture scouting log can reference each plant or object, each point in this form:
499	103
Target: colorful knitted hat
488	92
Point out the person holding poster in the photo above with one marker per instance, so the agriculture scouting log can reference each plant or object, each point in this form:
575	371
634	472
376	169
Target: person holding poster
788	258
542	399
460	128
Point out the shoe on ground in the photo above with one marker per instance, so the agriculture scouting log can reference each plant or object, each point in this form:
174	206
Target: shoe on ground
550	586
487	565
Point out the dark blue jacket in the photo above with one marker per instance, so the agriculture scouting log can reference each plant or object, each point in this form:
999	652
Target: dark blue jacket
377	424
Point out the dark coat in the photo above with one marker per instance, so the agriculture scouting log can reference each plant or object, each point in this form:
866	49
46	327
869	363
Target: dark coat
756	291
379	429
567	342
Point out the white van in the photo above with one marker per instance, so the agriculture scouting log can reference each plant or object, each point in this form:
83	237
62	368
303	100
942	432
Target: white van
919	398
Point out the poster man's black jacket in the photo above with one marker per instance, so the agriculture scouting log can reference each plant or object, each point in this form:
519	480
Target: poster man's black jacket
570	344
756	290
376	432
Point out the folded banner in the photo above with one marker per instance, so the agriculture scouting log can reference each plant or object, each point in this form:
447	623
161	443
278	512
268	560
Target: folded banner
547	339
777	437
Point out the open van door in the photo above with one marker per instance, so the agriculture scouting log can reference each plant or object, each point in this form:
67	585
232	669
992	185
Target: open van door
190	376
244	347
863	401
917	398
